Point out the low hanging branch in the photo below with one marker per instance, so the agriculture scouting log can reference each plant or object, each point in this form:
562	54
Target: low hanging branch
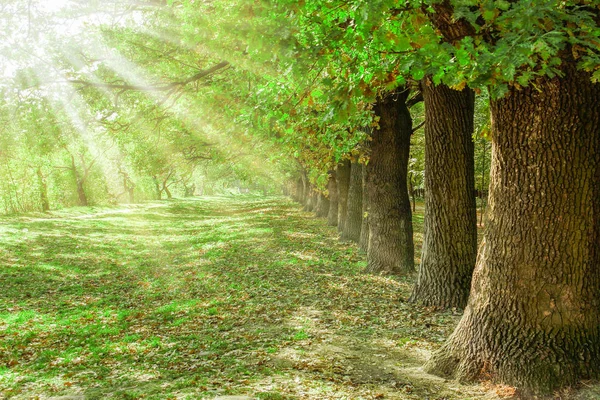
416	128
154	88
417	98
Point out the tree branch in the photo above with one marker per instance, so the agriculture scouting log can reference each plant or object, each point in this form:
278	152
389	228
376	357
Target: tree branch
416	128
154	88
417	98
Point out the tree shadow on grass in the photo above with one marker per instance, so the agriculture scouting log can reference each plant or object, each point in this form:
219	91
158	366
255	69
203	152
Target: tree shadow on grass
203	297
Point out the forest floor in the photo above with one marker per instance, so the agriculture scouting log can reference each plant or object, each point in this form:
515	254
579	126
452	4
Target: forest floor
209	297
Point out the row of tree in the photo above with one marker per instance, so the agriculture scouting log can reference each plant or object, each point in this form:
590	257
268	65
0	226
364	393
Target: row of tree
532	294
331	86
47	164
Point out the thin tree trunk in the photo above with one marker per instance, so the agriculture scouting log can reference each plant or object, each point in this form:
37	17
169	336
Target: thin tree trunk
391	248
44	202
157	188
411	193
363	243
354	214
83	201
79	182
332	215
167	192
450	224
533	317
343	184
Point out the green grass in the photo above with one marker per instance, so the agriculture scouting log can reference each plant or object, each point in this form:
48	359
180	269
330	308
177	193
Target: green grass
206	297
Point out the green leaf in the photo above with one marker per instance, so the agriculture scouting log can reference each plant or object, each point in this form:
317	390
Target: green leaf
418	74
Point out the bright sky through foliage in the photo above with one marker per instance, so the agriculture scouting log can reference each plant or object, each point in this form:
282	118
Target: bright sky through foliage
54	5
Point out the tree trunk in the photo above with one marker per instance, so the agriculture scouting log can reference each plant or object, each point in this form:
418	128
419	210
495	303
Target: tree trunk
450	224
45	203
167	192
305	189
323	208
310	198
157	188
533	317
332	215
391	249
343	184
317	202
363	242
354	214
83	201
299	195
411	193
79	182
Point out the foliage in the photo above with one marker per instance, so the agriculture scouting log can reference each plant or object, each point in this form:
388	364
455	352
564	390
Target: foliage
297	79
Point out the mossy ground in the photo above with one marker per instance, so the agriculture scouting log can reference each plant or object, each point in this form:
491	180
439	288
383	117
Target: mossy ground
205	297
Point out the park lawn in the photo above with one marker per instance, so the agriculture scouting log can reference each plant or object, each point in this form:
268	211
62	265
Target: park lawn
208	297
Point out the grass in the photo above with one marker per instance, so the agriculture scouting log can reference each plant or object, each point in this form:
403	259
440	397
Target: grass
192	299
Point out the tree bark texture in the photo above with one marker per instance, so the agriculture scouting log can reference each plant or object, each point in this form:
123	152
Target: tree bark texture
391	248
533	317
450	224
354	214
363	242
343	184
332	215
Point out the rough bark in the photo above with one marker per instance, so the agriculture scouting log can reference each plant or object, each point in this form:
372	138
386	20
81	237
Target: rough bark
332	215
354	214
450	224
363	243
391	249
343	184
533	317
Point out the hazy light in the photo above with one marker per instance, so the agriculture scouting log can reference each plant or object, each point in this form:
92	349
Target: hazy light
53	5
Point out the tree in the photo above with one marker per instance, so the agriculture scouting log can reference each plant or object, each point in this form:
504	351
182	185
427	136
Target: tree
363	242
332	215
532	319
391	248
342	176
355	195
536	283
450	226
